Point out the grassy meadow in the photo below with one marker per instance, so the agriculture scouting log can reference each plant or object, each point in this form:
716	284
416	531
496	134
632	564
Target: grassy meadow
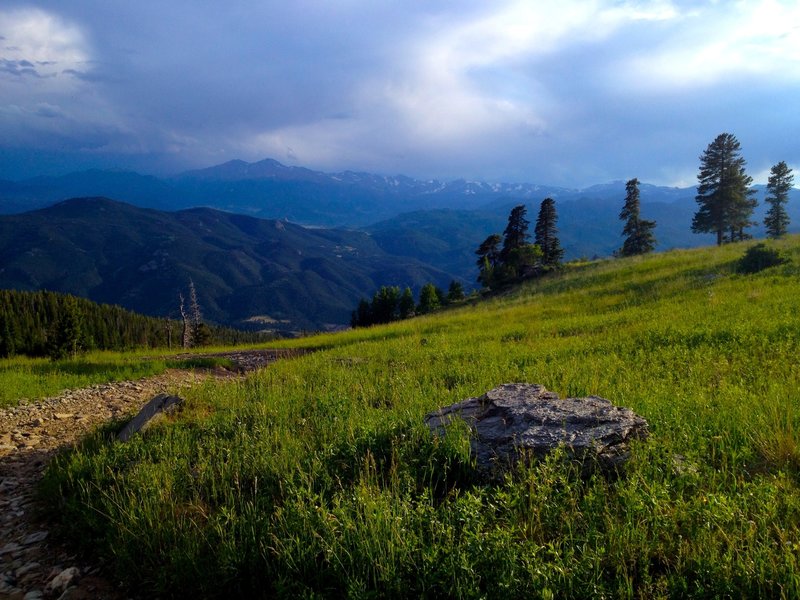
316	477
23	379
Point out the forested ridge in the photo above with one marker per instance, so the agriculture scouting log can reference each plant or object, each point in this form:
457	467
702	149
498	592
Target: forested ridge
31	322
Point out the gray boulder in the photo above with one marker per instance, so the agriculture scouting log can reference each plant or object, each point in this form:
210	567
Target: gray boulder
517	420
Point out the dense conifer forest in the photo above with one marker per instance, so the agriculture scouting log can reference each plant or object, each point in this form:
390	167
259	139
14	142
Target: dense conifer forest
33	322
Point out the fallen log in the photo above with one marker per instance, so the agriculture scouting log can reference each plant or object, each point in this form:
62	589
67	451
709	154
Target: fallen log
161	404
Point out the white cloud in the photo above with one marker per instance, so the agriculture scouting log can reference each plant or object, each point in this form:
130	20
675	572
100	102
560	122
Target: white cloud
49	44
477	75
46	96
721	41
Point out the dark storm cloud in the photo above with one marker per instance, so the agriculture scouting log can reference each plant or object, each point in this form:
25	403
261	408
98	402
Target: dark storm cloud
18	68
567	92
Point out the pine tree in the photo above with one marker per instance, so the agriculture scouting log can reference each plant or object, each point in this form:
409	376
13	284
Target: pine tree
362	316
8	341
201	335
385	304
778	185
742	205
546	234
455	293
168	329
515	255
488	259
428	299
724	195
407	304
639	232
516	232
66	337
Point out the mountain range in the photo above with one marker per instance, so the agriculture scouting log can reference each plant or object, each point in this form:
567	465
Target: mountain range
289	247
271	190
264	273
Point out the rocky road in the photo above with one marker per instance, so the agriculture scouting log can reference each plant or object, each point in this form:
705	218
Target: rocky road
33	563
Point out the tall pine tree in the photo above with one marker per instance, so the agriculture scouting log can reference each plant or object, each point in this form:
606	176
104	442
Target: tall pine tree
455	293
724	197
515	257
429	299
488	259
639	238
66	338
8	341
546	234
406	305
778	185
516	233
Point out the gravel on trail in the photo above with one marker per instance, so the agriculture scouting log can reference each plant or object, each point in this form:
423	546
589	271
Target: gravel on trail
33	563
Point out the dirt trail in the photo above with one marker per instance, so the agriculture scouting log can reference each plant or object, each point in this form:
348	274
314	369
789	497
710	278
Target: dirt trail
33	564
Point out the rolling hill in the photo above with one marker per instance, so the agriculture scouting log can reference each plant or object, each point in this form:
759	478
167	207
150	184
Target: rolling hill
320	478
270	274
437	222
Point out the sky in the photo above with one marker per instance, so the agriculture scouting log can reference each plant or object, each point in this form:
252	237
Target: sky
562	92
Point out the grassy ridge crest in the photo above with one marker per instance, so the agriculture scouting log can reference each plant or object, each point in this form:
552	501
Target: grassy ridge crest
316	477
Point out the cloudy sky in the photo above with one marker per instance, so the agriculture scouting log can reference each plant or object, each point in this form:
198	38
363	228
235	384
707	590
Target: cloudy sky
564	92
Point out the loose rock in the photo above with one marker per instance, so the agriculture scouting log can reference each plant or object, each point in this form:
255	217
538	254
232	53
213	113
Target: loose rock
9	548
518	419
29	436
62	581
34	538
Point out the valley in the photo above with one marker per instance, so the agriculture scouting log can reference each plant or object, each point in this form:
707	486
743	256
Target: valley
289	277
263	254
364	300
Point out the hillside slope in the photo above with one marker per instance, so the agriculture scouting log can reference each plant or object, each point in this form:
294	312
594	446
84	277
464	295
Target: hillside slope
588	225
319	478
284	275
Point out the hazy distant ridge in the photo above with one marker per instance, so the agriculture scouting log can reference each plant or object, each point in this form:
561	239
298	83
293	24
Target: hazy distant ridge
269	189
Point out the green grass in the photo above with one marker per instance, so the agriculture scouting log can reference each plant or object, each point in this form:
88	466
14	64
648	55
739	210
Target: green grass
24	379
316	477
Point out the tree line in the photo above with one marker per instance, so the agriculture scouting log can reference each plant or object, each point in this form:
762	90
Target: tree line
517	258
390	304
726	199
45	323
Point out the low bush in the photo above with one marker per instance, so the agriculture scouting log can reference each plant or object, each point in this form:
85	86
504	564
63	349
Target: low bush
760	257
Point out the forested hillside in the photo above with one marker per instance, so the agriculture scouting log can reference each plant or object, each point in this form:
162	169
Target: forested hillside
247	271
33	323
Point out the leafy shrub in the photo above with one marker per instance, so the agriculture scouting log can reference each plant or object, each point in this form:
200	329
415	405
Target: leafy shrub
760	257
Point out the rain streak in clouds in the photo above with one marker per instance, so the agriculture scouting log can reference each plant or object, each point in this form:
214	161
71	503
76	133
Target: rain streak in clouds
569	92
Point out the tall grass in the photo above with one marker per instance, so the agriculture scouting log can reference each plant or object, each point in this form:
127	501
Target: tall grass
23	379
316	477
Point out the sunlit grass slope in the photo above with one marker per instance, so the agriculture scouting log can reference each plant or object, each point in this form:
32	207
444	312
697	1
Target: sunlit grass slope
24	379
317	477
